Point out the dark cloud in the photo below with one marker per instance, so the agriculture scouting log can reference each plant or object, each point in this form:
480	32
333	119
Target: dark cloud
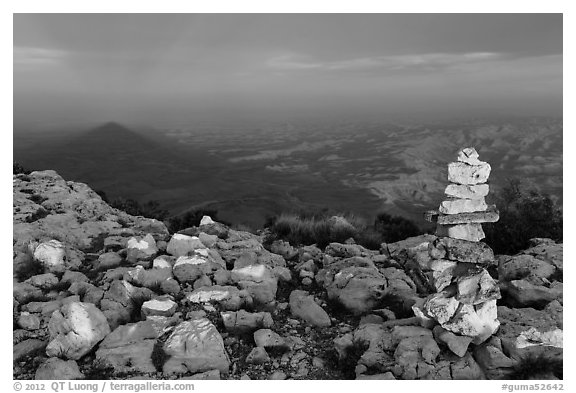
160	62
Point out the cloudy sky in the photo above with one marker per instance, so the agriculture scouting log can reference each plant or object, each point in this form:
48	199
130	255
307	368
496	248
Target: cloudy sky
162	67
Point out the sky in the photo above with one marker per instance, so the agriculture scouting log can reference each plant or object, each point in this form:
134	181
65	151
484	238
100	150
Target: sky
152	68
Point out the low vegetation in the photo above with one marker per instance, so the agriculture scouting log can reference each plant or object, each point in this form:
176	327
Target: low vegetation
525	213
322	229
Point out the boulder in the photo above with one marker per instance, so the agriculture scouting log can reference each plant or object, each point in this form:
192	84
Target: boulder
258	355
459	206
522	293
43	281
469	155
181	245
129	348
303	306
415	357
242	322
358	289
58	369
464	191
228	297
471	232
463	173
28	321
108	260
75	329
52	255
24	292
476	286
268	339
524	267
164	307
27	348
457	344
190	268
494	363
466	251
478	322
259	281
195	346
147	244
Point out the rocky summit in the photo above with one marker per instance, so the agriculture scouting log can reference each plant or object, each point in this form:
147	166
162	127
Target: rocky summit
100	294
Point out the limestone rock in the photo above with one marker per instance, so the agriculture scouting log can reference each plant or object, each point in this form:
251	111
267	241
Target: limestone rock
180	245
229	297
51	255
23	292
525	294
259	281
493	361
242	322
75	329
28	321
476	286
466	251
43	281
462	173
161	306
415	357
457	344
458	206
524	267
26	348
190	268
490	215
463	191
58	369
258	355
533	337
470	232
478	322
268	339
147	244
195	346
469	155
302	305
129	348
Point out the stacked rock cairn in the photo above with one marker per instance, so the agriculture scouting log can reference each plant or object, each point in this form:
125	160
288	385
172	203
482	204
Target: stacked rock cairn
465	300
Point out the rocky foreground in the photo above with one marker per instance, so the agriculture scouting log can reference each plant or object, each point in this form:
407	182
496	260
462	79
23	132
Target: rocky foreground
100	294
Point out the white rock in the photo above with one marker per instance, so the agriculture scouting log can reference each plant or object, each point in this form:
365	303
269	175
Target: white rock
478	322
470	232
147	245
161	307
52	255
58	369
465	191
533	337
195	346
441	307
207	220
161	263
469	155
180	245
75	329
456	206
462	173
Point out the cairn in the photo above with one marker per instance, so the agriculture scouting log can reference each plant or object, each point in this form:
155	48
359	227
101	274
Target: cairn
465	301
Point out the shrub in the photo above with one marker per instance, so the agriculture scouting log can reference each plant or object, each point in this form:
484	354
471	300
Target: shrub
537	367
395	228
305	229
19	169
525	213
192	218
150	209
